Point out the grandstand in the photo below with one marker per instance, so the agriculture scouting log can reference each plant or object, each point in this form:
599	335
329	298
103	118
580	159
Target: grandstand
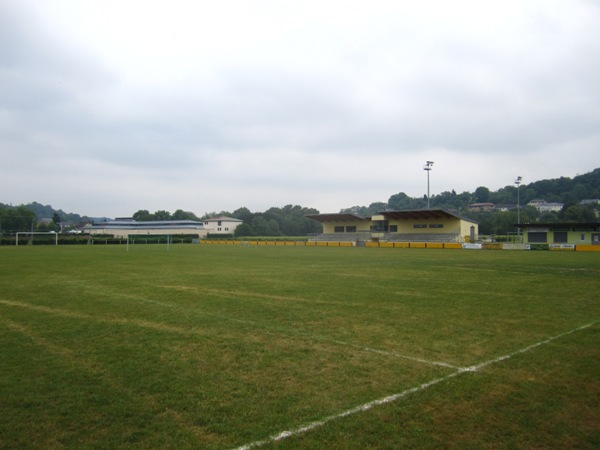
428	225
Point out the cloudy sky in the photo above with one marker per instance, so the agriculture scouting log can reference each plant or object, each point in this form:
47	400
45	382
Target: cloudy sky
111	106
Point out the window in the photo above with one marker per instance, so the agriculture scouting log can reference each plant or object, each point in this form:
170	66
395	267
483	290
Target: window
537	236
380	226
219	223
393	228
338	229
351	229
560	237
419	225
436	225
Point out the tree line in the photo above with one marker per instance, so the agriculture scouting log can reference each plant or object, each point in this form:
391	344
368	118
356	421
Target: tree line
569	191
290	220
287	221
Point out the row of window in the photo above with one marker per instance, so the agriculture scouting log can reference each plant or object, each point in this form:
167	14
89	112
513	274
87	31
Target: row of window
431	225
390	228
560	237
348	229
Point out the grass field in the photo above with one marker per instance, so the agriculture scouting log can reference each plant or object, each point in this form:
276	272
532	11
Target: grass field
298	347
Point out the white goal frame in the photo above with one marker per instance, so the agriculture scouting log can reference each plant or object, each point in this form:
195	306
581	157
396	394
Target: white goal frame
131	238
36	232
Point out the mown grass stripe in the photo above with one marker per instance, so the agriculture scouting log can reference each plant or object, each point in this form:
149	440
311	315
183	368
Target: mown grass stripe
141	400
310	335
187	331
394	397
157	326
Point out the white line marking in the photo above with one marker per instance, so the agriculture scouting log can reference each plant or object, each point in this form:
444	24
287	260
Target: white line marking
394	397
398	355
526	349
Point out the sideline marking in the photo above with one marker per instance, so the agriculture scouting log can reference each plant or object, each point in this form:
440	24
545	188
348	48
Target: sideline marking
405	393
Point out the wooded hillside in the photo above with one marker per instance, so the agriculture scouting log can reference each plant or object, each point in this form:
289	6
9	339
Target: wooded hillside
290	220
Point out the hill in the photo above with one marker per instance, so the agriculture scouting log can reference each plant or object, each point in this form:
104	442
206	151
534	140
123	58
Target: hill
569	191
291	221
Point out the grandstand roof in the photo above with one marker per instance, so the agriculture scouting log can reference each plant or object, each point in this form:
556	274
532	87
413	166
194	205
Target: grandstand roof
336	217
422	214
591	225
419	214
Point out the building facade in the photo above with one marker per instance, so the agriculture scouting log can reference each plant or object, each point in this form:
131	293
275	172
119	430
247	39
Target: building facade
430	225
544	206
121	228
221	225
561	233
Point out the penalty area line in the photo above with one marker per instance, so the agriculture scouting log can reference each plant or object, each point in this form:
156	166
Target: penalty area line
394	397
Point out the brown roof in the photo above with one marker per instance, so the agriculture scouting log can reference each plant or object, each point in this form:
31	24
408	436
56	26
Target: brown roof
421	214
336	217
560	225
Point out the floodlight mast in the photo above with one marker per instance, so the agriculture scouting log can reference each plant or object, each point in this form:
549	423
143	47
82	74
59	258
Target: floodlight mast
518	183
427	167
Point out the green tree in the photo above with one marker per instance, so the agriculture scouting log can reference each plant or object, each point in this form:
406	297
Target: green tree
184	215
243	230
56	221
482	195
259	226
273	228
13	219
162	215
243	214
578	213
143	215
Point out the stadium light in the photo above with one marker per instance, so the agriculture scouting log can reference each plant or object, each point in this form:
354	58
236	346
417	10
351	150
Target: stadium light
427	167
518	183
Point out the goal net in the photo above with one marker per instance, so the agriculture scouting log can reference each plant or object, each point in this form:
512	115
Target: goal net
145	239
33	233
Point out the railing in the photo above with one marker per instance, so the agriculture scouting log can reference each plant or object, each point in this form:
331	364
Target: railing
363	236
341	237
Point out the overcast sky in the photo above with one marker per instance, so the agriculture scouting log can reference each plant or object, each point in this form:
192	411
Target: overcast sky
108	107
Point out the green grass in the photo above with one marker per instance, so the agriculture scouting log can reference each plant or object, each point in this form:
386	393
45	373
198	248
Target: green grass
222	346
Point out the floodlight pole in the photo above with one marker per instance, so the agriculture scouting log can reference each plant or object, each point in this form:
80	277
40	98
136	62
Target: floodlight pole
518	183
427	167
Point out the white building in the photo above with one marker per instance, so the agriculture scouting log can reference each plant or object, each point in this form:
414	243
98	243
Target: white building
221	225
121	228
544	206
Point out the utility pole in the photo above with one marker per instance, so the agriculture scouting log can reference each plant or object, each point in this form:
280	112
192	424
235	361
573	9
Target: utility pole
518	183
427	167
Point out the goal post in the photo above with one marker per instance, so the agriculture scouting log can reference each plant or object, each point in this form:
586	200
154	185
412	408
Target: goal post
32	233
133	239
